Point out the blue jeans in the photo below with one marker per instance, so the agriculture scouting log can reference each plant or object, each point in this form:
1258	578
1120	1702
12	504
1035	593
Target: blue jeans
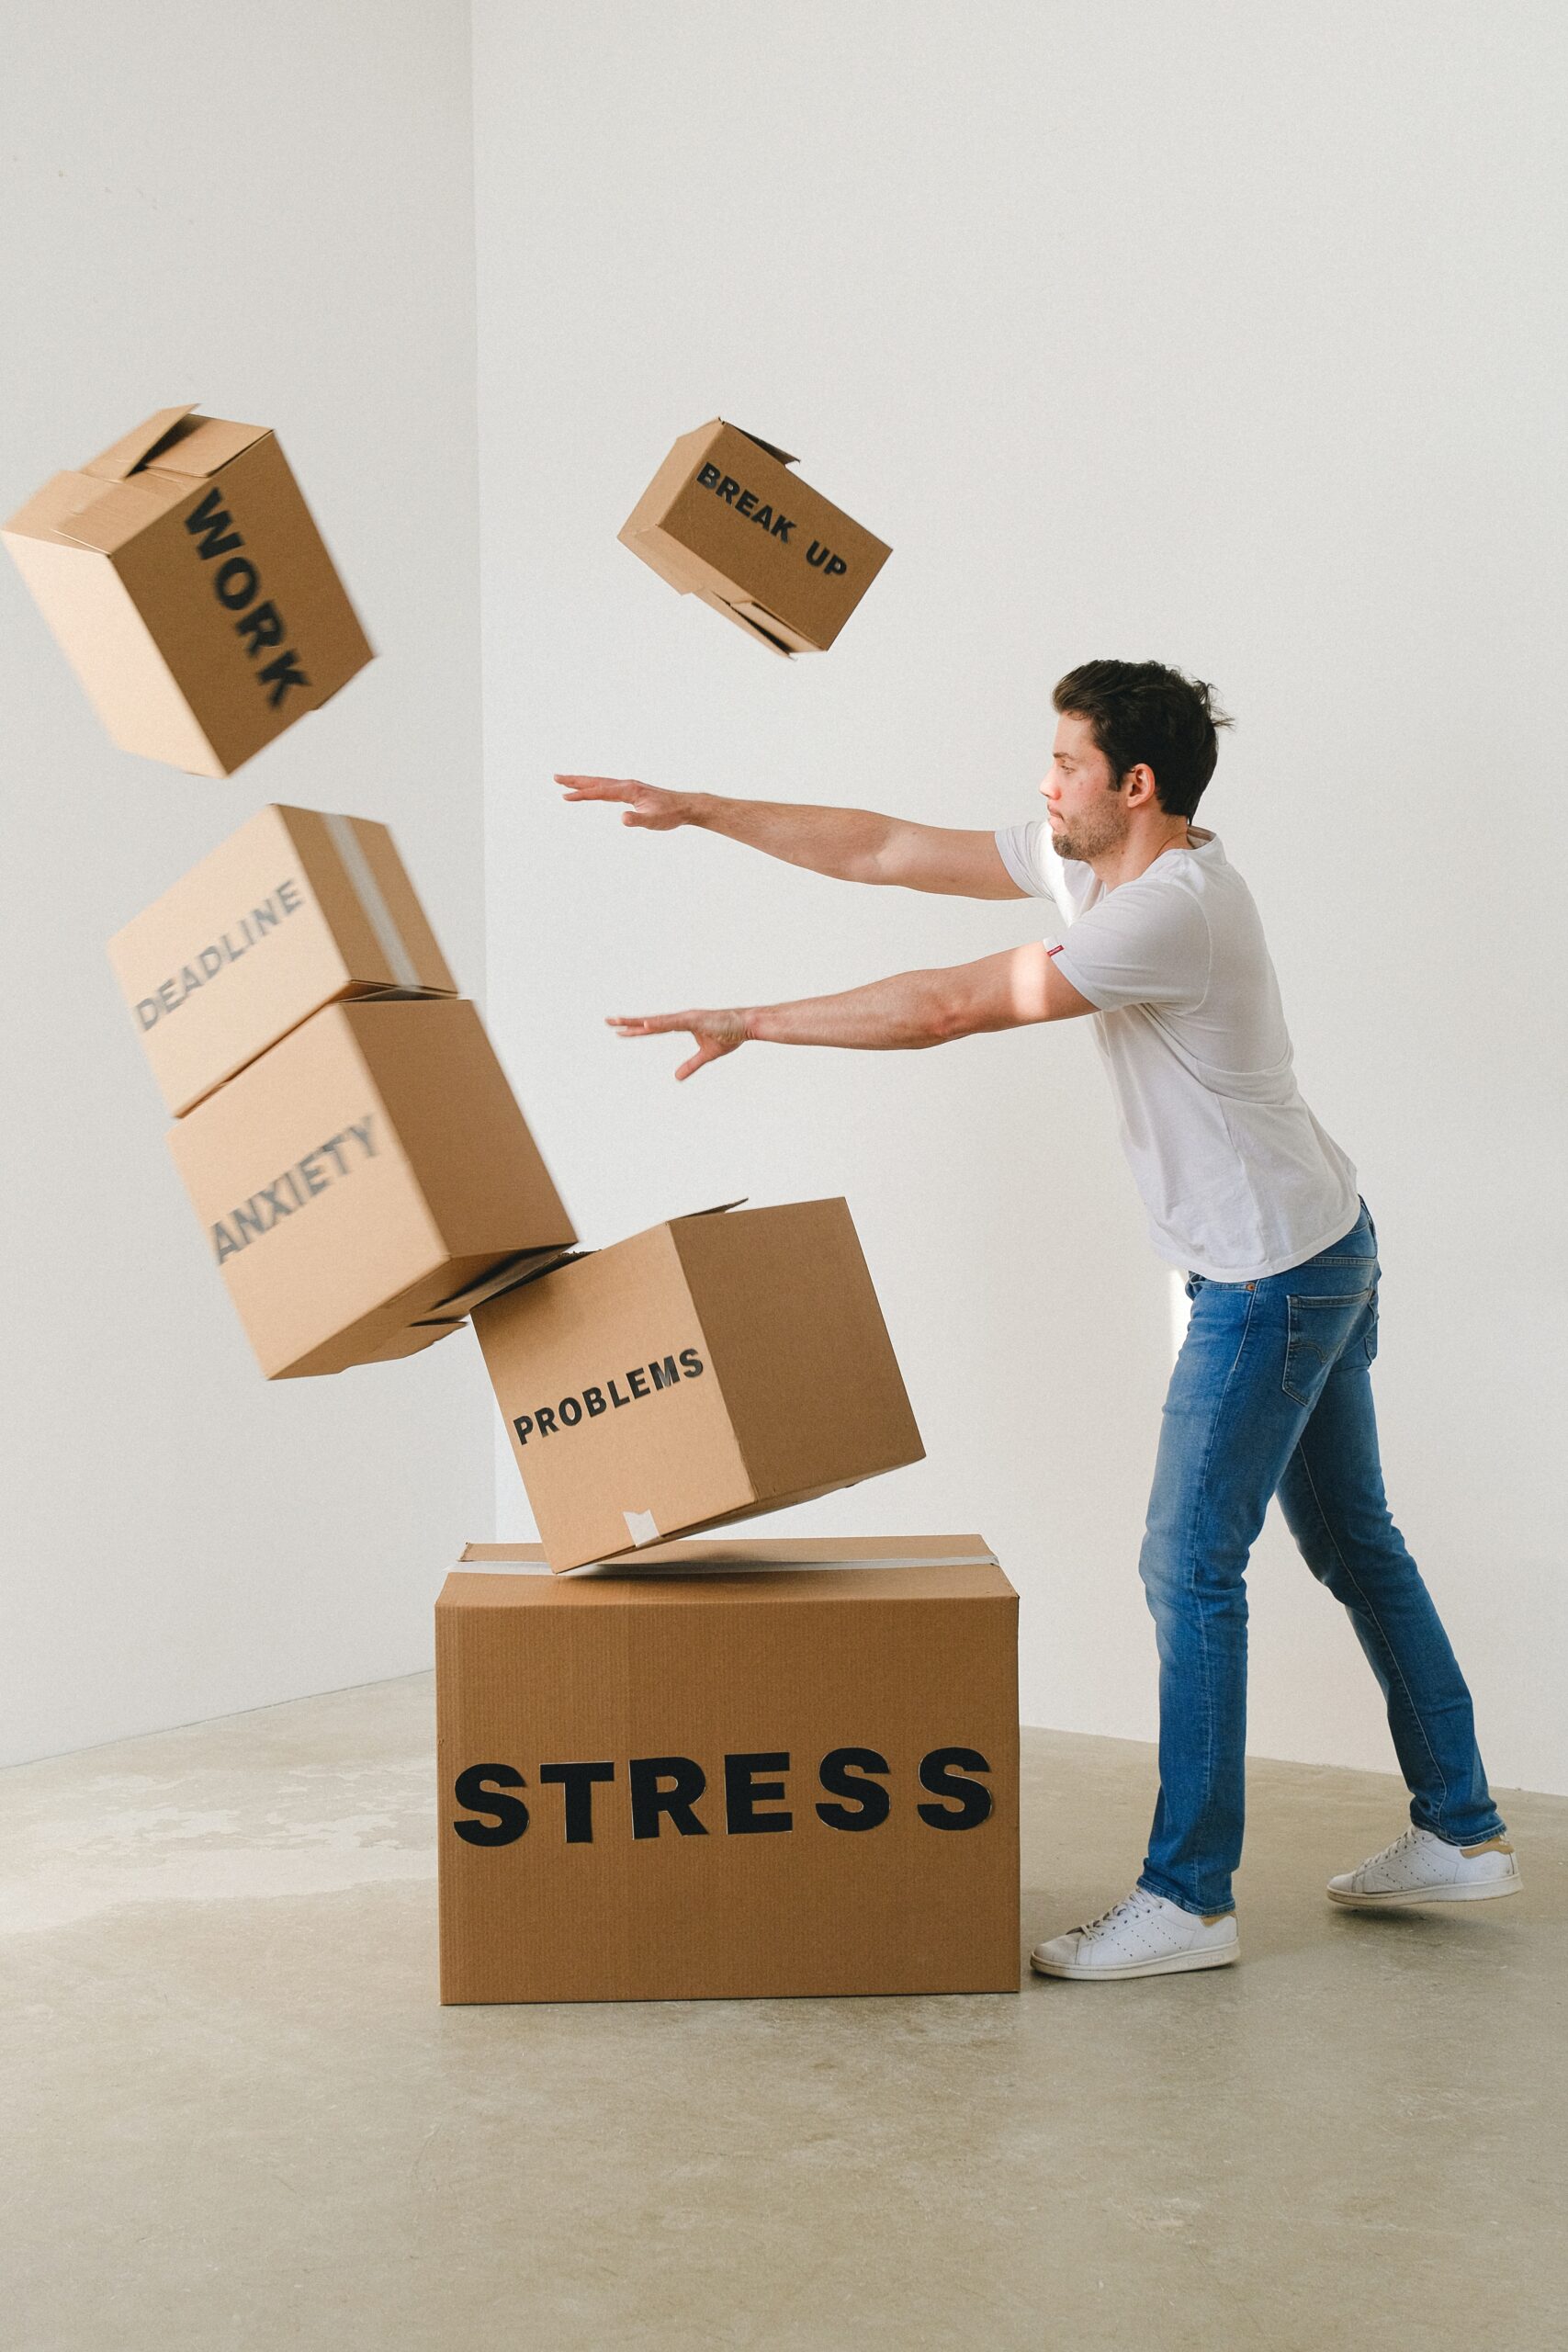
1271	1394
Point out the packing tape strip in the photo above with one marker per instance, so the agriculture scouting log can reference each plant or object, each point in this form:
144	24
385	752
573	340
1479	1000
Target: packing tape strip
367	890
642	1529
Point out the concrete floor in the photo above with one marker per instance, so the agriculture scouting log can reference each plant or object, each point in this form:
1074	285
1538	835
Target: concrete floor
235	2119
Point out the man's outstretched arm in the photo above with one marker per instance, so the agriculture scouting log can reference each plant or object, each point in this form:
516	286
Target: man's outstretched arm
1005	991
850	844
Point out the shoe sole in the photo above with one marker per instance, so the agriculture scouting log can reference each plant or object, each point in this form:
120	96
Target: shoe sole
1487	1891
1176	1963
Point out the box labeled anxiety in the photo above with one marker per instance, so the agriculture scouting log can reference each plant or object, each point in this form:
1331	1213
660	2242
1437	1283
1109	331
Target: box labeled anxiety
726	519
742	1768
355	1181
712	1367
189	588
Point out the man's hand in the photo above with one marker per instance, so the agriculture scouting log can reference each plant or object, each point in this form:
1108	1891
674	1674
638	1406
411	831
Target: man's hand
660	812
715	1034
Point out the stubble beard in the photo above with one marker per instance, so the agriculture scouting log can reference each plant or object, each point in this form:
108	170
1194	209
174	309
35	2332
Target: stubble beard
1090	836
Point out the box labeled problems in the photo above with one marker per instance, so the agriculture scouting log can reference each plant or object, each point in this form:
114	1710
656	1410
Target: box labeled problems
726	519
714	1366
190	590
293	911
741	1770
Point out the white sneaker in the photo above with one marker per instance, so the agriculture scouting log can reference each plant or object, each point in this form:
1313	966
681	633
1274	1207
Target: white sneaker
1145	1936
1421	1868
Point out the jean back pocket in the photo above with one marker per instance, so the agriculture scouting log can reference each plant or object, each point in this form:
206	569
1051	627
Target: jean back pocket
1319	1330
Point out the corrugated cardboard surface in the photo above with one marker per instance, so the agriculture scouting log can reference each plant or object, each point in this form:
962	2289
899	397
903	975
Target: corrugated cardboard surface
271	926
750	1661
174	661
786	589
357	1242
709	1368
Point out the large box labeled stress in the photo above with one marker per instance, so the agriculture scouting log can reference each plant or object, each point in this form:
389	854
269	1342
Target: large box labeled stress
710	1368
360	1178
741	1768
186	581
725	519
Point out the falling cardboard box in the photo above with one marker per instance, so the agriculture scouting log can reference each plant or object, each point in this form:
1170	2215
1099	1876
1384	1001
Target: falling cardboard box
189	588
726	520
765	1768
363	1176
293	912
712	1367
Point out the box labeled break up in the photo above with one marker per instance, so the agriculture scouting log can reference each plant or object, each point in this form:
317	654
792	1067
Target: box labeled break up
356	1180
714	1366
293	911
725	519
741	1771
188	584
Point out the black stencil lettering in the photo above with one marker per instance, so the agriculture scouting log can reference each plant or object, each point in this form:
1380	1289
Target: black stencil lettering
473	1788
577	1781
841	1775
281	674
941	1772
208	522
262	626
650	1801
236	583
743	1791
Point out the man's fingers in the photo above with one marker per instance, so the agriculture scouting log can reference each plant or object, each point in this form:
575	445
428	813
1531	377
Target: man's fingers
600	787
647	1024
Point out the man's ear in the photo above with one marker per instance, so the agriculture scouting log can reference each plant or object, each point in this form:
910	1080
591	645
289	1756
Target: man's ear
1140	786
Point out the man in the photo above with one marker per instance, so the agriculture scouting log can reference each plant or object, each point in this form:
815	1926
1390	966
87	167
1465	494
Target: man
1270	1394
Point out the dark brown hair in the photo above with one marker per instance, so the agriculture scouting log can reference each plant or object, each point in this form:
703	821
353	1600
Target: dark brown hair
1143	714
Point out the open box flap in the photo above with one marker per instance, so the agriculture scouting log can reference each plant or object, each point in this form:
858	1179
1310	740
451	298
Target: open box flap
204	445
527	1267
783	455
123	457
716	1210
175	441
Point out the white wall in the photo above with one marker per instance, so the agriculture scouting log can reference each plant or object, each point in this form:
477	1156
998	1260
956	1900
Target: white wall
272	213
1228	335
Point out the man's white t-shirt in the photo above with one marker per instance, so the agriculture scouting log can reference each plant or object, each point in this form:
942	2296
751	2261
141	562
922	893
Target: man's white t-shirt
1238	1179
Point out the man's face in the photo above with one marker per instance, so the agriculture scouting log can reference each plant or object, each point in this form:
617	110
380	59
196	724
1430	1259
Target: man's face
1086	815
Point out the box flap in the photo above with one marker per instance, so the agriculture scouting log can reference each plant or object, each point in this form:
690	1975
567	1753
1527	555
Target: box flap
204	445
527	1267
123	458
116	511
717	1210
772	448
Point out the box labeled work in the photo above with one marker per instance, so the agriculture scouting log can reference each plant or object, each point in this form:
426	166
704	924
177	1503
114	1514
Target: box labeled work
294	910
770	1768
358	1178
725	519
190	590
712	1367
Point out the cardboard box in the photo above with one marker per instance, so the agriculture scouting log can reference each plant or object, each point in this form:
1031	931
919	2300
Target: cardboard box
293	912
189	586
750	1773
356	1182
726	520
712	1367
